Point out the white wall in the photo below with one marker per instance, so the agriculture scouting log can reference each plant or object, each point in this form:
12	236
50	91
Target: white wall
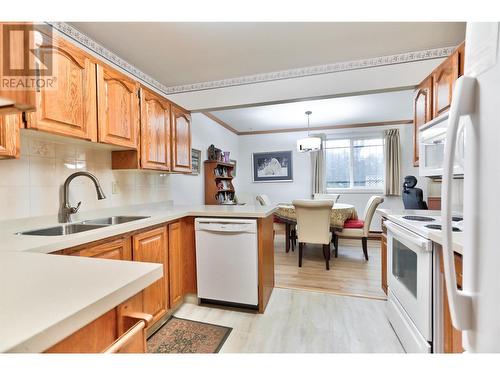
189	189
301	187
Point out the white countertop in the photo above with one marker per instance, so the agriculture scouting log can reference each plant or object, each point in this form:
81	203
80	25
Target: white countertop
431	234
44	298
158	212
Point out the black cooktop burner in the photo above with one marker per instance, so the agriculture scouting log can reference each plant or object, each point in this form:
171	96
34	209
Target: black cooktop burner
418	218
438	227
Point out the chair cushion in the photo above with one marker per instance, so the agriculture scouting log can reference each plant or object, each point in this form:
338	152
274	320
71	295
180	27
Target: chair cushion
351	223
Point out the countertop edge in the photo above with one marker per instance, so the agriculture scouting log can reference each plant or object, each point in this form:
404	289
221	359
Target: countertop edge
42	341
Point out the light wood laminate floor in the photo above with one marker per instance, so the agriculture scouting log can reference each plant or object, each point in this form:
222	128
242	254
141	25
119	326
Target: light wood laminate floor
303	322
349	274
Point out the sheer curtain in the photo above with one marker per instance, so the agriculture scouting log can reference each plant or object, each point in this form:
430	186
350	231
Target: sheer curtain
392	150
319	168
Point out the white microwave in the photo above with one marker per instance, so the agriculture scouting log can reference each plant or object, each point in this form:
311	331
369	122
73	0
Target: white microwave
431	148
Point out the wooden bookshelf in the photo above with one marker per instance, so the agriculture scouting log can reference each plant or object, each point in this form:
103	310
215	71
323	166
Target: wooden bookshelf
218	182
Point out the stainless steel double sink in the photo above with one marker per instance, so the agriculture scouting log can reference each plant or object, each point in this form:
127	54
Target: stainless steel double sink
83	226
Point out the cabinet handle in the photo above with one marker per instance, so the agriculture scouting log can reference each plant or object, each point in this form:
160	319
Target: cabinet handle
143	321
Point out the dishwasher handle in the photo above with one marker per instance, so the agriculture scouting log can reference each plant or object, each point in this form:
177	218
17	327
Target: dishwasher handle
228	227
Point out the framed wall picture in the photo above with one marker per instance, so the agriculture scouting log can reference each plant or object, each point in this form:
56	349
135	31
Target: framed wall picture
195	161
232	161
275	166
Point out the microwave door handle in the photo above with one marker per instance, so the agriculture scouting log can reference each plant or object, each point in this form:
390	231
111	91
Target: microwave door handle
460	302
420	242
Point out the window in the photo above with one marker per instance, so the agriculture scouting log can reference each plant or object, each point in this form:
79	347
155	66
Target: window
356	163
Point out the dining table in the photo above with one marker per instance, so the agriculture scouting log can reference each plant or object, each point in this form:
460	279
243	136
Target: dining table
286	214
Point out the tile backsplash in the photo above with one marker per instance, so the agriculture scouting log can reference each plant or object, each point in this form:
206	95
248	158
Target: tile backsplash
32	184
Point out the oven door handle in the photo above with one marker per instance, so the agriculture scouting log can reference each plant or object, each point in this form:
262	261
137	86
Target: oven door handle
412	238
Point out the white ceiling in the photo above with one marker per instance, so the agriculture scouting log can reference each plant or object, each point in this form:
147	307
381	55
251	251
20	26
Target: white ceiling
184	53
380	107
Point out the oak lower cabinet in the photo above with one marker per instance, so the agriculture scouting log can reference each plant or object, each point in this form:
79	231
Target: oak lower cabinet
69	108
181	140
422	113
118	108
452	338
120	330
118	249
155	131
151	246
175	263
9	136
383	256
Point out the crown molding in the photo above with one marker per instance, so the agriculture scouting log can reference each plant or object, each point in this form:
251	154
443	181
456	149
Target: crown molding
110	57
114	59
328	127
220	122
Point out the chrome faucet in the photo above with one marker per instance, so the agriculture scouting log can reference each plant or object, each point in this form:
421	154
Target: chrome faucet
67	210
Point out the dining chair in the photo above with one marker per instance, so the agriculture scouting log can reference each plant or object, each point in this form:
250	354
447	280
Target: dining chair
313	225
263	200
333	197
359	228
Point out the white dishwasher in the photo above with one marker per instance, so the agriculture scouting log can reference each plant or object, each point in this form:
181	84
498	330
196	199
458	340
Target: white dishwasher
227	260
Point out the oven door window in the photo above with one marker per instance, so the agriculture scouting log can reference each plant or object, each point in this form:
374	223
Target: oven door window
404	266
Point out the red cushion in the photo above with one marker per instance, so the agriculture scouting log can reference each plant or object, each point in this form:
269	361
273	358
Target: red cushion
351	223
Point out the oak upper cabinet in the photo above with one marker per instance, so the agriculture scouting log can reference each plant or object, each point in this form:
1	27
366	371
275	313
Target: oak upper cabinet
461	59
155	131
118	108
422	113
12	56
69	108
443	78
151	246
181	140
9	136
175	263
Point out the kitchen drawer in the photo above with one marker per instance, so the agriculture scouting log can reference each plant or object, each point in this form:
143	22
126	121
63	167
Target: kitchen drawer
117	331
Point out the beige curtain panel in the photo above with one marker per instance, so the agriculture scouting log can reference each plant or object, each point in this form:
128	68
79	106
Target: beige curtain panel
392	149
319	170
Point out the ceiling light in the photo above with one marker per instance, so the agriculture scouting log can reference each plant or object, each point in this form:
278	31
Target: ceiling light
309	143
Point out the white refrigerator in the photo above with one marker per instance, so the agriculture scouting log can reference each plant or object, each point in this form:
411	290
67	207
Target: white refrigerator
476	108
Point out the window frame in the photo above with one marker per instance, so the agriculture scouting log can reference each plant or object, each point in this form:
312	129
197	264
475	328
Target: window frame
356	189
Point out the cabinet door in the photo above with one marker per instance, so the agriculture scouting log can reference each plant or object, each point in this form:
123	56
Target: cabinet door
120	249
422	113
383	253
155	131
181	140
14	55
461	59
444	78
151	246
92	338
118	108
69	108
452	338
175	263
9	136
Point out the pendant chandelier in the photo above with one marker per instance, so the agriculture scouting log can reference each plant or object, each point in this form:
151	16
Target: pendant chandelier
309	143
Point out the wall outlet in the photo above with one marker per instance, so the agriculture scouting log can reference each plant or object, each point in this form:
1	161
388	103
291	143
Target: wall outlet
114	187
